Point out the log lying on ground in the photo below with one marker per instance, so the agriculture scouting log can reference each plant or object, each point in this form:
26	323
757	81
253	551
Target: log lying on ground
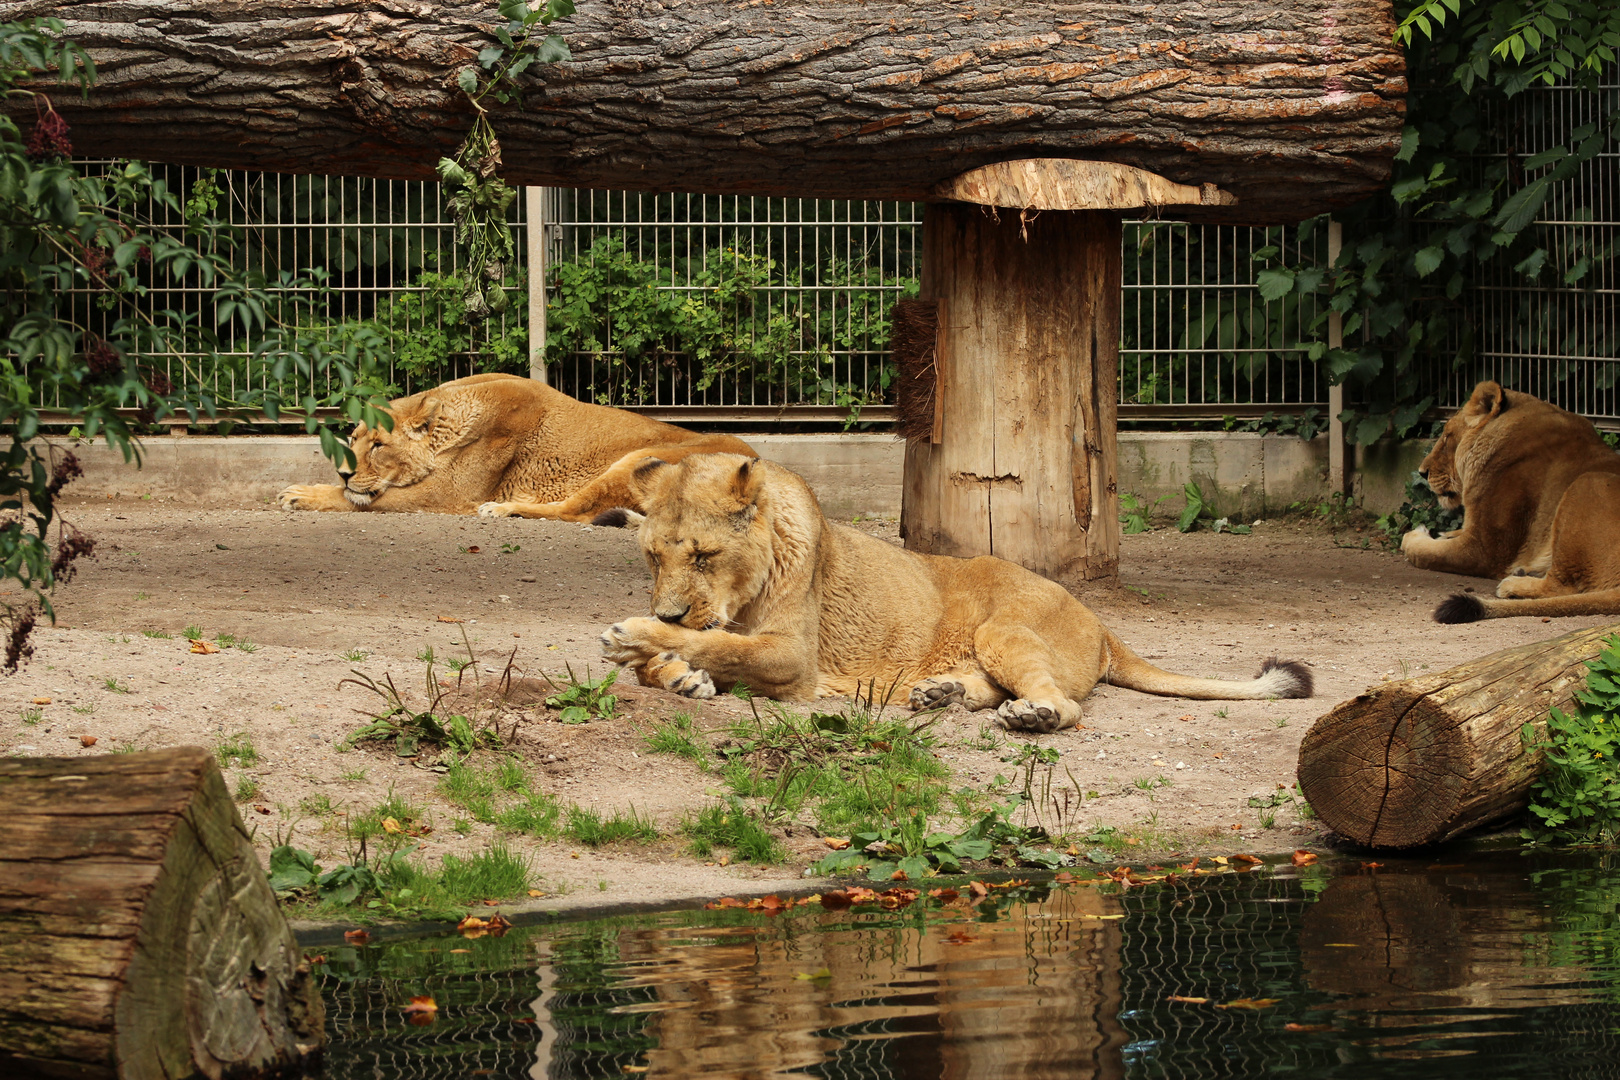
1423	760
1293	106
139	937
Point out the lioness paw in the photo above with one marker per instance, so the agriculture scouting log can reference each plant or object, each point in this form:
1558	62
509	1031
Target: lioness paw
694	684
291	497
494	509
628	642
936	693
1021	714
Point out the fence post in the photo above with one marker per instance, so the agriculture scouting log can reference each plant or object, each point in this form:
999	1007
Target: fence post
537	230
1340	462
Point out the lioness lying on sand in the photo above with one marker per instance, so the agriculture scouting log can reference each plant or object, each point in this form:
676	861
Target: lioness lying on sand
501	445
751	584
1540	492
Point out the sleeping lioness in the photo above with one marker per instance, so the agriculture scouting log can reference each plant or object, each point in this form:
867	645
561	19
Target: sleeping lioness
751	584
1540	492
501	445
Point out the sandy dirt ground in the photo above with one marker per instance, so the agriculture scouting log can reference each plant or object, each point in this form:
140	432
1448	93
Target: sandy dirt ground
318	596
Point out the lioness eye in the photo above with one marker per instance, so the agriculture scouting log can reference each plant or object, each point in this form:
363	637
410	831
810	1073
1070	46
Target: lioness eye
700	559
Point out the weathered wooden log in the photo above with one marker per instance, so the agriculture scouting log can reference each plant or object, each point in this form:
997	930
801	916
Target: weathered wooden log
139	937
1027	363
1423	760
1293	106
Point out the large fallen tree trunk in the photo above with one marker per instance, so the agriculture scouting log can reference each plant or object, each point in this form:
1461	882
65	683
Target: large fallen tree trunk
1294	107
1423	760
139	937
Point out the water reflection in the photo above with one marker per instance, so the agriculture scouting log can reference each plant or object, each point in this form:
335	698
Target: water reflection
1503	967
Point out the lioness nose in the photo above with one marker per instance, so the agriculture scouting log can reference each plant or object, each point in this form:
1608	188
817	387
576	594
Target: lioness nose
672	617
1423	473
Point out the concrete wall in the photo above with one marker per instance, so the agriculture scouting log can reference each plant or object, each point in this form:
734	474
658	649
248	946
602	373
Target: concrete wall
1243	474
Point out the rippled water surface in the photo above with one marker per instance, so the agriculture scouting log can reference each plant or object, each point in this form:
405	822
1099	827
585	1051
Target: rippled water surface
1503	966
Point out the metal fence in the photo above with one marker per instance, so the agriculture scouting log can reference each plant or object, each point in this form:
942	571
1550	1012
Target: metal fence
776	310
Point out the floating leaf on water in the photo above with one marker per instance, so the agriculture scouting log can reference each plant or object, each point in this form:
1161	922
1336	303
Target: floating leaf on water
356	937
421	1010
1249	1003
1188	1000
1307	1027
1303	858
813	976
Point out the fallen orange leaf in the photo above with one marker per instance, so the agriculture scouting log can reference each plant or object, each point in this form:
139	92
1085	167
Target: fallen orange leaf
421	1010
390	825
1249	1003
1371	865
979	888
837	843
356	937
1187	1000
536	892
204	647
42	701
944	896
475	549
835	899
1307	1027
1303	858
474	927
959	937
460	951
1252	860
447	618
87	740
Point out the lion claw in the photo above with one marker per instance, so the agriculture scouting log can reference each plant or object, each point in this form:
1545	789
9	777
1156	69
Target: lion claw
694	684
616	645
494	510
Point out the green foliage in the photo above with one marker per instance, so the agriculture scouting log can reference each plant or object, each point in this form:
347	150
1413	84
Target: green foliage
910	846
64	235
409	729
583	700
1307	424
732	825
1135	511
1468	186
428	328
679	736
1577	794
589	827
735	317
1420	510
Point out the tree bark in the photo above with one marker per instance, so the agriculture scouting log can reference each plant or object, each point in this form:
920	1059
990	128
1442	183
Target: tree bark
1027	361
1423	760
1294	107
139	937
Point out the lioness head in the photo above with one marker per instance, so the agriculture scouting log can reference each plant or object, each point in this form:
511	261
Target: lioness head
397	458
705	538
1443	467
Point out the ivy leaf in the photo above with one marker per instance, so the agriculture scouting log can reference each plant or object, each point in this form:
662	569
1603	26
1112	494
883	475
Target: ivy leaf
1275	284
1428	260
467	79
1409	144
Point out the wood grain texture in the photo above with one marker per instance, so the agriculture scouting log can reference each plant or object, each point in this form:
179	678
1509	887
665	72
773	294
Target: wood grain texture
1026	467
1295	106
1062	184
138	935
1423	760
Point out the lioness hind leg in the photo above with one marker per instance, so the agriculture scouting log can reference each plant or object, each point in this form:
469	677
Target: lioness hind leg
670	672
972	692
1016	657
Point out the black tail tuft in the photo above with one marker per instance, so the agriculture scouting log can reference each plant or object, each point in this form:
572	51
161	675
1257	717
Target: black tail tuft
616	518
1459	608
1304	684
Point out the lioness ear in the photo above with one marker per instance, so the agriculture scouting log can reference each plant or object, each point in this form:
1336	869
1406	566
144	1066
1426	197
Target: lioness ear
647	477
1489	398
419	425
746	484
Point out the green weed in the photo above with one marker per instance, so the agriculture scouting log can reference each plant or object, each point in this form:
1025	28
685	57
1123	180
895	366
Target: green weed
679	736
588	827
238	749
112	684
1576	796
246	788
583	700
731	825
163	634
356	656
192	632
31	716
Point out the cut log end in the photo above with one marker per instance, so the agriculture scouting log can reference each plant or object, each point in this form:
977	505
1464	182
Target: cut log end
138	933
1067	184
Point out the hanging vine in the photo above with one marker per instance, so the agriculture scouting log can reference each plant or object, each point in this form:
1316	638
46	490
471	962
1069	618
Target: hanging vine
478	198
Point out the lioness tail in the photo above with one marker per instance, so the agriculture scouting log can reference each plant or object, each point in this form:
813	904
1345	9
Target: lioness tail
1277	679
1465	607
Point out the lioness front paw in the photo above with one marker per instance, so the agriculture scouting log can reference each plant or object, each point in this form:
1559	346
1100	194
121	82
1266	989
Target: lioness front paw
291	498
1021	714
936	693
674	674
627	642
494	509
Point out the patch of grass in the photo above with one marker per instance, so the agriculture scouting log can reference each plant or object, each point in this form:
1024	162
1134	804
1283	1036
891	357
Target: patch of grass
731	825
355	774
494	874
1151	783
1221	713
538	814
318	805
679	736
426	655
246	788
126	748
462	826
192	632
455	664
406	728
112	684
1280	721
224	640
162	634
472	789
584	700
142	596
244	645
31	716
238	749
356	656
85	709
588	827
406	818
510	776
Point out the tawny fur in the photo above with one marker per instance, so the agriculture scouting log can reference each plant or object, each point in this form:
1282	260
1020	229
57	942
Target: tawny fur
1540	493
753	585
500	445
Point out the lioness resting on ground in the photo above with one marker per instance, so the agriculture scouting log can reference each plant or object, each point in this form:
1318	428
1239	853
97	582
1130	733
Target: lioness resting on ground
1540	493
751	584
501	445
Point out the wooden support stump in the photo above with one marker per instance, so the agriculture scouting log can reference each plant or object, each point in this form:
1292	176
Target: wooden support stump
1423	760
139	937
1027	362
